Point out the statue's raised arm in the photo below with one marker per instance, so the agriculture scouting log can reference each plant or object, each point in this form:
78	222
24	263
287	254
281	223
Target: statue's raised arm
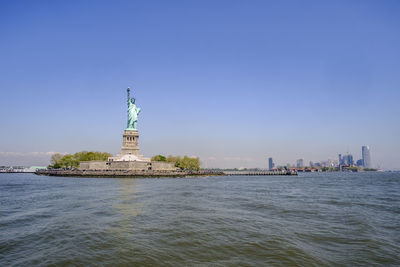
128	91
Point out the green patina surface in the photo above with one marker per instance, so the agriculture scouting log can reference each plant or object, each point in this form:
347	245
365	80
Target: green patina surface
133	112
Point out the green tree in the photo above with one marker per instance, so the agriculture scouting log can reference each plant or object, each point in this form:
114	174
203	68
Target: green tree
185	163
90	156
159	158
54	160
72	161
55	157
188	163
68	161
173	159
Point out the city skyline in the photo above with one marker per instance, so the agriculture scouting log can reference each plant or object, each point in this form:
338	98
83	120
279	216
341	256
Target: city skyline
344	160
241	81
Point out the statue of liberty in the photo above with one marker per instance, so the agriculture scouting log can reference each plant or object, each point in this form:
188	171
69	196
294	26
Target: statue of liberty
133	112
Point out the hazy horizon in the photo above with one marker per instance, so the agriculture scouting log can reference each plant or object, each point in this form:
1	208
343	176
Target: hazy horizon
231	82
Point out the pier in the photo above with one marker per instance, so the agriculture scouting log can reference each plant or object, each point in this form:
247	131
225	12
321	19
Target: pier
260	173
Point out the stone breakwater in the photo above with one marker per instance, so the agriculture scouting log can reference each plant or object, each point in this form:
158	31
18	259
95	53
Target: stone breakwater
155	173
127	173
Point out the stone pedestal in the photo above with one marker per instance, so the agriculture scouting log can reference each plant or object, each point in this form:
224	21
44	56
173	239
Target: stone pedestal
130	143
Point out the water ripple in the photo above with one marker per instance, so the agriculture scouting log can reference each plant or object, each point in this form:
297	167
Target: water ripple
312	220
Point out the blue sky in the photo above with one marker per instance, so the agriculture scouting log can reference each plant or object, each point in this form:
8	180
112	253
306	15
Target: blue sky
233	82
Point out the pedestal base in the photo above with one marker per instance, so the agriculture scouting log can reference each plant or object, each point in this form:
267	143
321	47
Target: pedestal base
130	143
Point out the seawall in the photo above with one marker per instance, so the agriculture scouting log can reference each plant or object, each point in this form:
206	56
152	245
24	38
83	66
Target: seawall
153	173
126	173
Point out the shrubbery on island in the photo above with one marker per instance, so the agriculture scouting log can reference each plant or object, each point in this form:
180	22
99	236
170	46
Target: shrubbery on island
72	161
186	163
59	161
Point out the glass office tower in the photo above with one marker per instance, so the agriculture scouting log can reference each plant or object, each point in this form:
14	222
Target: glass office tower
366	157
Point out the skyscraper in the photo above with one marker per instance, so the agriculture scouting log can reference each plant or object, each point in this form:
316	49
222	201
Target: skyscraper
271	164
366	157
300	163
348	159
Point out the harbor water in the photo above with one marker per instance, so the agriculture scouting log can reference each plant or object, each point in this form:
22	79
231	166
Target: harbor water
314	219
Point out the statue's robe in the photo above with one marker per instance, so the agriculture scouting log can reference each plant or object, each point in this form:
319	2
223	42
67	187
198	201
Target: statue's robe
133	112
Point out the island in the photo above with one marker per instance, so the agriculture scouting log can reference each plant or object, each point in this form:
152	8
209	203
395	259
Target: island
130	163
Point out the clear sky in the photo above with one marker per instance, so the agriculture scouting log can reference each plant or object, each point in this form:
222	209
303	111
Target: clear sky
233	82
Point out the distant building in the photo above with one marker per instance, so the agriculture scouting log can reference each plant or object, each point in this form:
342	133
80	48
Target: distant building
366	157
325	163
300	163
348	159
330	163
271	164
34	168
360	163
311	164
341	159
